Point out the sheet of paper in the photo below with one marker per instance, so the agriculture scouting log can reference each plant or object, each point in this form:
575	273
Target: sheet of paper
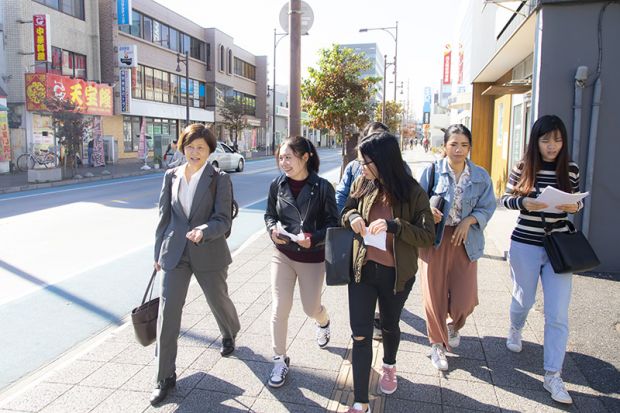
293	237
376	240
553	197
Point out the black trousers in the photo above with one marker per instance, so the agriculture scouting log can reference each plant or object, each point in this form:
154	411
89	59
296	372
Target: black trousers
377	283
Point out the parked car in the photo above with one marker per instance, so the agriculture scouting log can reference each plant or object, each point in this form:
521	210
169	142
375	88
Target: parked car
226	158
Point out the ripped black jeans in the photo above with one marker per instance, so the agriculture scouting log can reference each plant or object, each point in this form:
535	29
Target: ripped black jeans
377	283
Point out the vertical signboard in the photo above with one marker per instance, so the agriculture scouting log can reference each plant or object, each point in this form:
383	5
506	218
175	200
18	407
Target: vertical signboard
42	38
426	110
447	64
5	144
123	11
125	90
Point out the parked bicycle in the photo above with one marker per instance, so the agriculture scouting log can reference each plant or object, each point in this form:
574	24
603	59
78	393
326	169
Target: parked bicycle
42	157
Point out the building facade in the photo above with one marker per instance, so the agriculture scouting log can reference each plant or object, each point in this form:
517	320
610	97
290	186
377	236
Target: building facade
371	52
53	55
522	69
155	94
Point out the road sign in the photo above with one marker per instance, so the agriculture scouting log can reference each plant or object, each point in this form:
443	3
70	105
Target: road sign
307	17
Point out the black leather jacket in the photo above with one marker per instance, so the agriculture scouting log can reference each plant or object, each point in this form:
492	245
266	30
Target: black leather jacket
313	211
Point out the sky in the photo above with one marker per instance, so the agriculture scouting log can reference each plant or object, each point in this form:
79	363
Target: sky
424	27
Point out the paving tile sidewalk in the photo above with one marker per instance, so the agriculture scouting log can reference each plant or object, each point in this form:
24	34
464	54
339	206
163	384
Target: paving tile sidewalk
116	374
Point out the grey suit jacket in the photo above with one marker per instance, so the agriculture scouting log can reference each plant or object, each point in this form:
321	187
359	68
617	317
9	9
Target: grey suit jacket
211	215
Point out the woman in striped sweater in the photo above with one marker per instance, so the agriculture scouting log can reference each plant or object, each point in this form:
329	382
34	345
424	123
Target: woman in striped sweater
546	163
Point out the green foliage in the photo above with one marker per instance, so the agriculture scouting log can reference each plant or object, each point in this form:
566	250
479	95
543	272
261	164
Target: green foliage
393	115
335	96
233	113
70	127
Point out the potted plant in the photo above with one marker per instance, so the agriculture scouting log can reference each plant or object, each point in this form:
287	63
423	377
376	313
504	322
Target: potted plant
157	161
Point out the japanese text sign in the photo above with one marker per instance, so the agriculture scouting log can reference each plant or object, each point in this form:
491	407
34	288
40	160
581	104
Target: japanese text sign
89	98
42	39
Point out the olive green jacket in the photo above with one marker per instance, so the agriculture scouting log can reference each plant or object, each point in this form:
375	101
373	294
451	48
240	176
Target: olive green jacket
413	227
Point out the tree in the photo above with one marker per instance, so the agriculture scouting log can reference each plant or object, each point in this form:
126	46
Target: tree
335	95
393	115
234	113
70	128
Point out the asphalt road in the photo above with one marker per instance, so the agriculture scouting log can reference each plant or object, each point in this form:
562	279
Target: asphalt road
75	260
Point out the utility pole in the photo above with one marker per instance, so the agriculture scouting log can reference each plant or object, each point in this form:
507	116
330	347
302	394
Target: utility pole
294	120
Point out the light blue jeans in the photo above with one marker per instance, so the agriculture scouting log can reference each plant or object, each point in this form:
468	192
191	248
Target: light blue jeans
527	264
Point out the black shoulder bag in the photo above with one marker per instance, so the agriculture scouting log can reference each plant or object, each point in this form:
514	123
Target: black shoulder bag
569	252
144	317
436	201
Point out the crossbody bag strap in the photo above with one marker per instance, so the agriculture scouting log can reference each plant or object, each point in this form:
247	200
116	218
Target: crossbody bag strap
431	181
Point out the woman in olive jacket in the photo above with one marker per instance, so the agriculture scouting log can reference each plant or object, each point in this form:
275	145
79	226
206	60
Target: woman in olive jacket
386	202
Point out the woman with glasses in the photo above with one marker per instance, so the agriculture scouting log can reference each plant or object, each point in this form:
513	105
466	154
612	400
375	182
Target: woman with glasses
387	204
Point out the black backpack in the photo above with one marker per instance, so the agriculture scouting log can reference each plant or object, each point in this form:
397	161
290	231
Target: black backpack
234	207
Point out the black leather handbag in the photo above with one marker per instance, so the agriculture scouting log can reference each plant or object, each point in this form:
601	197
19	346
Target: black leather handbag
569	252
144	317
338	255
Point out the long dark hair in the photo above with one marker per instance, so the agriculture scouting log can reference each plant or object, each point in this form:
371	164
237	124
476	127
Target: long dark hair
393	180
532	160
301	146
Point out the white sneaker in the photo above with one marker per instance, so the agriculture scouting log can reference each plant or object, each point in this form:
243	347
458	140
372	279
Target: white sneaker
322	335
513	341
279	371
454	338
438	357
554	385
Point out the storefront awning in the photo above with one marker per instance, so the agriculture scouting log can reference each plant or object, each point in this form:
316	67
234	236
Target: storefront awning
499	90
519	46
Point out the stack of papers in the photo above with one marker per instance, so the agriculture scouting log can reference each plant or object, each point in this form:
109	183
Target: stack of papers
294	237
554	197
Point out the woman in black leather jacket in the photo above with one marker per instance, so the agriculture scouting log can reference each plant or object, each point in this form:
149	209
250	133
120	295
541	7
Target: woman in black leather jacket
300	208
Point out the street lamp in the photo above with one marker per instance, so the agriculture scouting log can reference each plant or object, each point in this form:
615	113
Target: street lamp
276	40
385	66
185	61
395	37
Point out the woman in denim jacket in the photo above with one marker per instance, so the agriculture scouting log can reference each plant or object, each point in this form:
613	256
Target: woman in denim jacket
449	269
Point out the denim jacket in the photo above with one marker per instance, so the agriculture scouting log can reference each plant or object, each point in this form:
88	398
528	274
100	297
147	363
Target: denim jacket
478	201
351	171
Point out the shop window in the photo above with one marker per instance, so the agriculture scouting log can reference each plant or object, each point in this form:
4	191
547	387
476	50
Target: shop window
73	8
136	24
138	72
174	88
148	83
165	87
222	58
79	66
157	75
147	29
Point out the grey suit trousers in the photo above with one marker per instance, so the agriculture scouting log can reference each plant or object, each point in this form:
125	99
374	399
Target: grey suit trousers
174	286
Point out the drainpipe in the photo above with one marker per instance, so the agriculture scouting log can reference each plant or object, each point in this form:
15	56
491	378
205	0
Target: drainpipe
596	103
581	76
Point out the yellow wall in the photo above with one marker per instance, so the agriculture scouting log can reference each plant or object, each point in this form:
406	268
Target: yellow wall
500	143
113	125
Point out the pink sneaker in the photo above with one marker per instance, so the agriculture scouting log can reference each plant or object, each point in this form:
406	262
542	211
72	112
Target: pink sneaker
388	383
357	408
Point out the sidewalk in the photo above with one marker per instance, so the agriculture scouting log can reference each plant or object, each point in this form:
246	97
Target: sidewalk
115	374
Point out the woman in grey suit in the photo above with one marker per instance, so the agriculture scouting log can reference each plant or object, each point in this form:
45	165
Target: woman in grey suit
194	216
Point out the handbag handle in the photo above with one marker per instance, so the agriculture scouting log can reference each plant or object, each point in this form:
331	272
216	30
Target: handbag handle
149	287
549	227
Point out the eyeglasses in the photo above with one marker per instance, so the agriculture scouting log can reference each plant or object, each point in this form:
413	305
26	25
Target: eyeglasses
364	163
195	149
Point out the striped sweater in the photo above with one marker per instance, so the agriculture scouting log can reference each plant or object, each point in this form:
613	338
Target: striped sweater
529	229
